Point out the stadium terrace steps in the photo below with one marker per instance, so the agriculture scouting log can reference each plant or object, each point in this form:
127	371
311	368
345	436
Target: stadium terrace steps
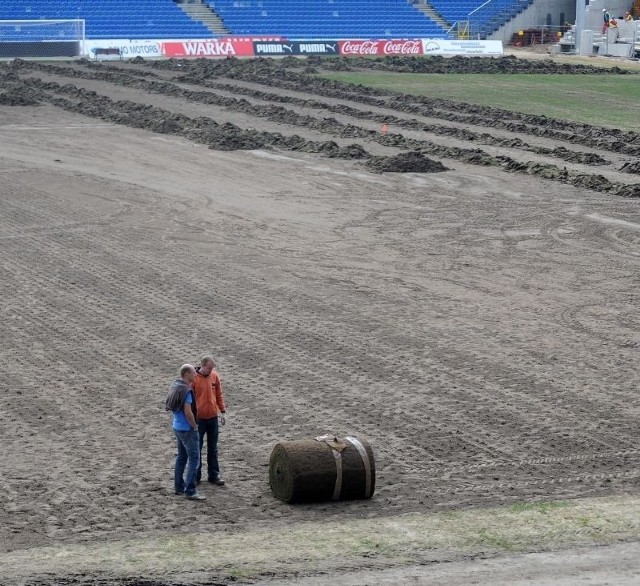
430	12
203	13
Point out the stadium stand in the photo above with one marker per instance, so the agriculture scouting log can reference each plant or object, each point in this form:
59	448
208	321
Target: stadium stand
330	19
112	19
295	19
485	19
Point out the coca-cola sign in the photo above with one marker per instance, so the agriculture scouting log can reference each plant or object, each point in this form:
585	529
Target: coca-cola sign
402	47
358	47
391	47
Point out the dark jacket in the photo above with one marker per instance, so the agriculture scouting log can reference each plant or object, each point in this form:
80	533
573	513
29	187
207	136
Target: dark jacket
176	396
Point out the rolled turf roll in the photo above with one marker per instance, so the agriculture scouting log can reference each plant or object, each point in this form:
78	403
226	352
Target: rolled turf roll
322	469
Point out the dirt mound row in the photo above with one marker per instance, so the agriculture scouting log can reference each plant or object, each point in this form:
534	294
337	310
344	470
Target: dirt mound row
458	64
282	115
631	168
592	159
612	140
288	70
206	131
413	124
228	136
270	73
19	95
546	171
274	74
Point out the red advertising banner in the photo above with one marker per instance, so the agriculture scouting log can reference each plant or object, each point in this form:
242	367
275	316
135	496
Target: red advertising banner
209	48
393	47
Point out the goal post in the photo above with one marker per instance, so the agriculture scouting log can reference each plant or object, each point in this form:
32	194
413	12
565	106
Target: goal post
42	38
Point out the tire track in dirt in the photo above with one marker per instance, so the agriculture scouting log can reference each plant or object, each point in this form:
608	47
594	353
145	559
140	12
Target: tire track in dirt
249	338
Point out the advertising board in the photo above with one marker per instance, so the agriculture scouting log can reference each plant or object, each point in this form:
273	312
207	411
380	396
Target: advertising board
279	47
360	48
446	47
313	47
128	49
223	47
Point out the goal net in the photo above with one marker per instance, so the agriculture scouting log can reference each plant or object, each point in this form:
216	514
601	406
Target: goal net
41	38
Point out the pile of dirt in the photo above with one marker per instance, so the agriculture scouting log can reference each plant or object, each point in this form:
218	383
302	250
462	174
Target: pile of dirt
8	76
351	151
631	168
458	64
20	95
630	191
572	156
410	162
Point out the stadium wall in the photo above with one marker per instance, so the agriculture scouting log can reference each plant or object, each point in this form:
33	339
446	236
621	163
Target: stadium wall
39	49
540	13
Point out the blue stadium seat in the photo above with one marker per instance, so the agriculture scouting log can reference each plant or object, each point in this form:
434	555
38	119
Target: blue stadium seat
104	19
326	18
484	20
148	19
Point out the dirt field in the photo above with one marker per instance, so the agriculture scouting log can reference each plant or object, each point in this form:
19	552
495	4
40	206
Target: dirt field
478	325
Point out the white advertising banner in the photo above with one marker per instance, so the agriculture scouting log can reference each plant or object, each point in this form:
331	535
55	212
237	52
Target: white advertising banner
128	49
445	47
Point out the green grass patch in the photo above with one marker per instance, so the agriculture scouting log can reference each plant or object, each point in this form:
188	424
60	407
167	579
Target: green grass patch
599	100
486	538
539	507
315	547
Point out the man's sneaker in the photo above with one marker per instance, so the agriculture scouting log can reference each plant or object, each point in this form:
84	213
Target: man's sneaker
196	497
179	493
217	481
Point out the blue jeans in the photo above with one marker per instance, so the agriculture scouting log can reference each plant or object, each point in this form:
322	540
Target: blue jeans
188	457
209	427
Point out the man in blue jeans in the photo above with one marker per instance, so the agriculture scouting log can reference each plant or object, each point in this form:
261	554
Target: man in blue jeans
180	401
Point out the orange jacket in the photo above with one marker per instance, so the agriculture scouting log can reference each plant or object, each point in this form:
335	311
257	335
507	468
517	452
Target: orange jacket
208	391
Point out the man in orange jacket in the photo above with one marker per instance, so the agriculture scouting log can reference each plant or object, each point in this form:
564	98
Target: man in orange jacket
211	414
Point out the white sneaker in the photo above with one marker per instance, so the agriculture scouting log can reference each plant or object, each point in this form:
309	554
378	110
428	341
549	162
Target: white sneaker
196	497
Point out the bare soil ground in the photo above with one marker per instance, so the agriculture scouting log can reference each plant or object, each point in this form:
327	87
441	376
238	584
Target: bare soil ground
477	324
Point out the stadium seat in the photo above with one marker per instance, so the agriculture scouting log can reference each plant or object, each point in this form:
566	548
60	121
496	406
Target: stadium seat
329	19
326	18
482	19
104	19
